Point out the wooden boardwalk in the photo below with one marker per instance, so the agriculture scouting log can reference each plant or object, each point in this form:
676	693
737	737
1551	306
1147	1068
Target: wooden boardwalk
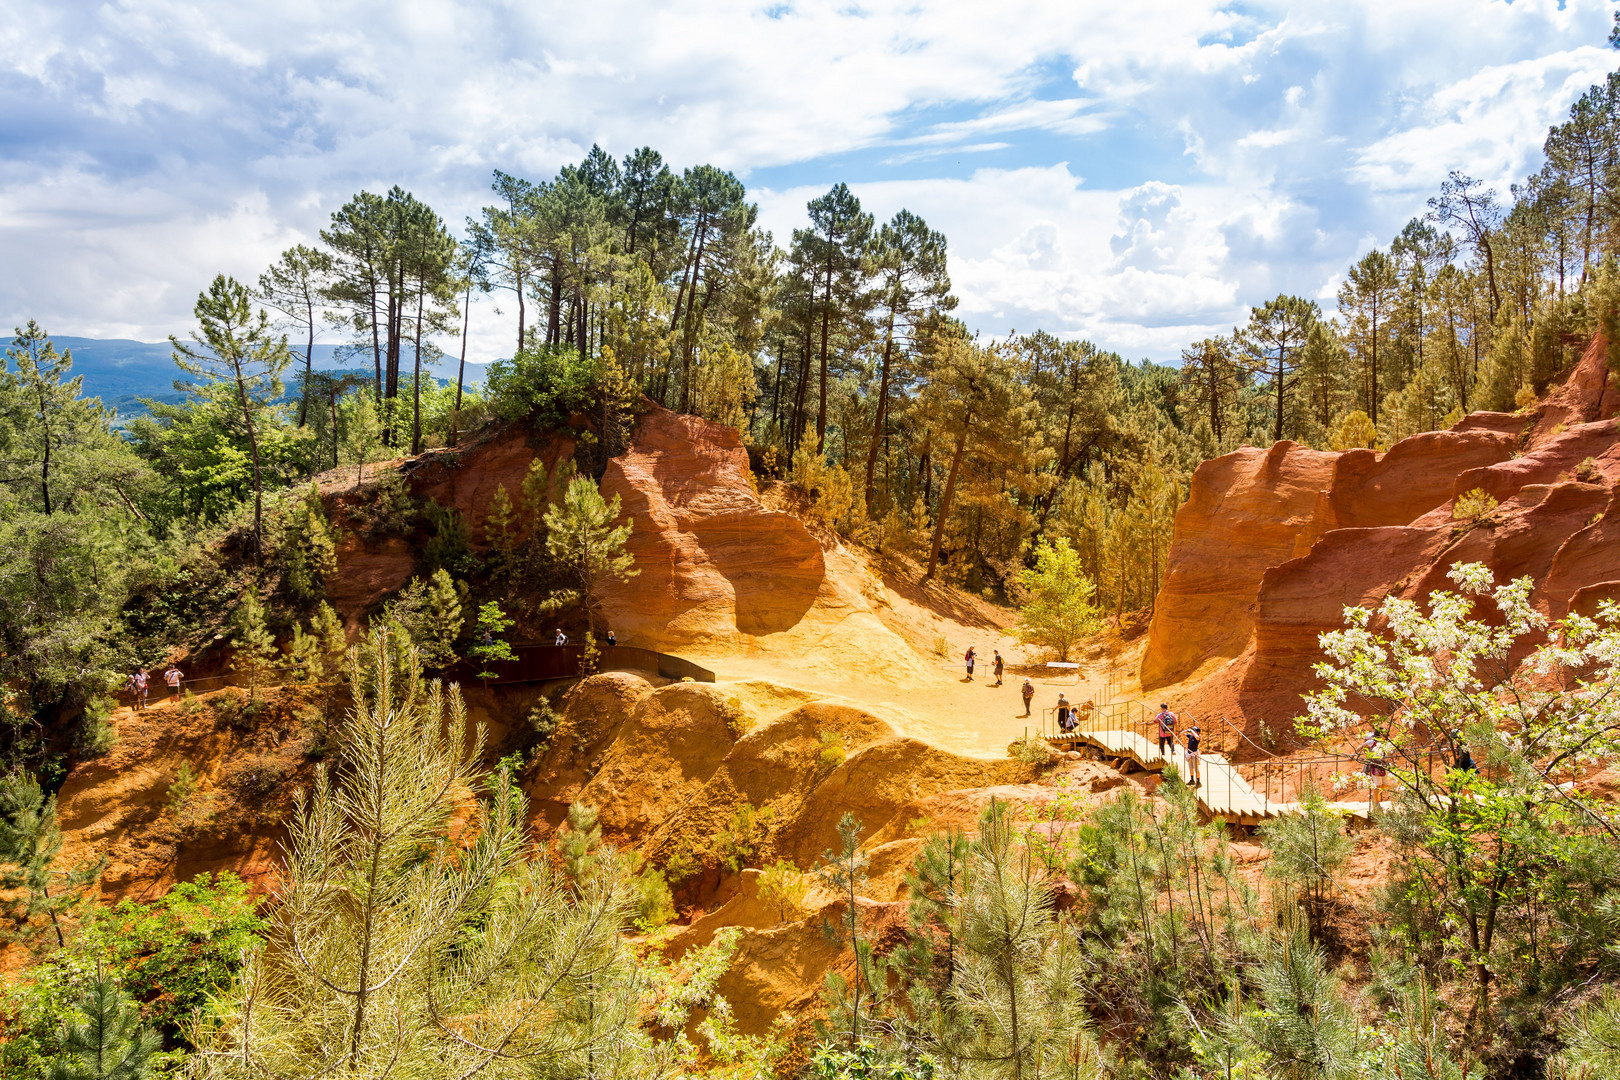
1224	792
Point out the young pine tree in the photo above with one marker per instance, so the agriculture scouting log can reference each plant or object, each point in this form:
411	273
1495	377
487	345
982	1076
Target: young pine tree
309	555
256	654
430	614
107	1041
30	841
400	948
585	544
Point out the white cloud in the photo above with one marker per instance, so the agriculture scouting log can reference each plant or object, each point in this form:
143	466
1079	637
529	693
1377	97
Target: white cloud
147	144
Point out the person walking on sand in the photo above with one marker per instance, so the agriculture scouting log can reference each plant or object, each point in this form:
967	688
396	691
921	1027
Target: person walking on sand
140	689
1194	777
1000	665
1167	730
172	677
1029	695
968	659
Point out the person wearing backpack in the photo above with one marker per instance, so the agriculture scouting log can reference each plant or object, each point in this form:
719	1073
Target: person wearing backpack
1029	695
1194	777
968	659
1167	730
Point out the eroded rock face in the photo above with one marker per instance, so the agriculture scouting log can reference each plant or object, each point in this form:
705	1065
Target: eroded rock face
1258	570
1247	512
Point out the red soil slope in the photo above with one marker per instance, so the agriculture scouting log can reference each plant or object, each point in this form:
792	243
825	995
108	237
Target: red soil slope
1273	544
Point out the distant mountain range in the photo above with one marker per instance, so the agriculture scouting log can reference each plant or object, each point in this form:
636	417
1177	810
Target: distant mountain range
120	372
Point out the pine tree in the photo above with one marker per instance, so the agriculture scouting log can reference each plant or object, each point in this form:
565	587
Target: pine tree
490	646
429	612
30	841
400	948
1016	998
310	555
1302	1028
586	545
1272	342
844	872
109	1043
256	653
238	358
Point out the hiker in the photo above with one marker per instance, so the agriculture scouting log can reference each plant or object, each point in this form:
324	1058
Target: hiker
1465	760
489	638
172	676
1063	714
562	638
968	660
1376	768
1029	695
140	689
611	640
1167	730
1195	779
999	666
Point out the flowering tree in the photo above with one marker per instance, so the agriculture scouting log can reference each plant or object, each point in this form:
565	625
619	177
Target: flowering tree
1503	864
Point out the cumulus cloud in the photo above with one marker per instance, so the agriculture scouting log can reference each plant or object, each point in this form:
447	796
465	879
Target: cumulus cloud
1137	173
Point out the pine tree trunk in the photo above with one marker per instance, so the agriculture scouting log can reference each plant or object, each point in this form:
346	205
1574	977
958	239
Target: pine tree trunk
945	498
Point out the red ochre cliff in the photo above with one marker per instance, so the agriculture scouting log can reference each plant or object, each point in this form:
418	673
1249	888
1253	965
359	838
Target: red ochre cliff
1272	544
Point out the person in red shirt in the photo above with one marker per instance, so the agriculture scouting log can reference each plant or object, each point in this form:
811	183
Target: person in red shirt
1167	730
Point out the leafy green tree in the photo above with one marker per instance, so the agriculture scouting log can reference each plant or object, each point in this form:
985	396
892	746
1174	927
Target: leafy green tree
1058	612
46	426
108	1041
255	652
30	843
175	953
235	355
587	547
1486	857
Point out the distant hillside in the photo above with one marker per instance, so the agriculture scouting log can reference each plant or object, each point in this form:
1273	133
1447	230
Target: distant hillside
120	372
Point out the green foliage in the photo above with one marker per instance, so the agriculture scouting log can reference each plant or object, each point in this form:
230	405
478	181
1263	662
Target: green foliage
1032	750
255	653
1308	851
579	843
179	951
830	751
782	884
543	383
449	545
37	893
308	555
398	909
1472	506
1058	612
587	548
1592	1042
744	837
181	788
654	904
106	1041
1301	1027
490	647
1355	429
430	614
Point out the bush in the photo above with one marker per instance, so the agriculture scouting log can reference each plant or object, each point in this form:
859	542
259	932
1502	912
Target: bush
654	903
542	382
1472	506
745	835
831	755
96	733
450	546
1032	750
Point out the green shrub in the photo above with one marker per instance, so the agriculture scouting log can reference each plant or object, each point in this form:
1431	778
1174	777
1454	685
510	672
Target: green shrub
831	755
1473	505
654	903
450	546
96	733
1032	750
542	382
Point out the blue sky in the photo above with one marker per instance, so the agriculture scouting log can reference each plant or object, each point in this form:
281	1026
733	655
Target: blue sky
1137	173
